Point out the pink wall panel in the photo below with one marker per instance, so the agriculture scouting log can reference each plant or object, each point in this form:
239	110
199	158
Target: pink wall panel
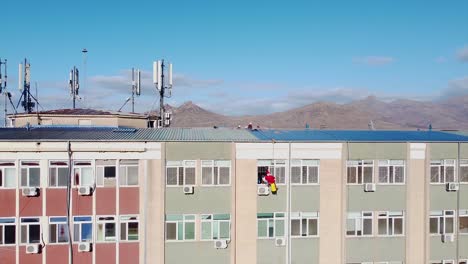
82	205
57	254
30	206
105	253
129	200
56	203
105	201
8	199
82	257
129	253
7	255
29	258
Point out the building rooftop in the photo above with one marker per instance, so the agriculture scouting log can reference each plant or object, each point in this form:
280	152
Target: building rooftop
79	112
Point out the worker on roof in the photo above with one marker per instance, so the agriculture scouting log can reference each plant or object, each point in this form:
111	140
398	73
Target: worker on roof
271	181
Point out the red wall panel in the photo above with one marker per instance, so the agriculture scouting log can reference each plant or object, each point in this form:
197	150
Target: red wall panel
105	253
56	203
8	255
57	253
8	200
82	205
30	206
105	201
129	253
129	200
28	258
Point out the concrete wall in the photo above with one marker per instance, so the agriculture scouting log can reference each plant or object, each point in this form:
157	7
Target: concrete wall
385	198
74	120
377	151
198	151
375	249
199	252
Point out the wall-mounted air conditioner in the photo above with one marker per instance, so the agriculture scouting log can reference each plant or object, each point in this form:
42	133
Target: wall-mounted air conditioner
188	189
369	187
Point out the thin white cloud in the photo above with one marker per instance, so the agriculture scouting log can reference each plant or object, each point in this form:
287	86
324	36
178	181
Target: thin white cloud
462	54
374	60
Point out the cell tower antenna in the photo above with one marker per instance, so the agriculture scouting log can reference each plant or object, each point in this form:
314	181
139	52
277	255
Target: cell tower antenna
74	84
24	84
159	82
3	86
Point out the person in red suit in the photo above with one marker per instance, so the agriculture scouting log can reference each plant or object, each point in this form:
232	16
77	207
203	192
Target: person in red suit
271	180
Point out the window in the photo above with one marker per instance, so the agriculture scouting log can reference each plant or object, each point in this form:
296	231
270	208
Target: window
270	225
58	174
305	171
360	171
304	224
180	227
7	174
7	231
359	224
30	174
30	230
105	228
106	173
276	167
442	222
82	229
464	171
58	230
463	221
391	171
443	171
128	173
216	172
391	223
442	262
180	173
83	172
129	228
215	226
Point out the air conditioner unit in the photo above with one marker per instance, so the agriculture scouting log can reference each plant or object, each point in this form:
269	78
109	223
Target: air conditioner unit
448	238
369	187
280	241
29	191
85	190
452	186
220	244
188	189
263	190
84	247
32	249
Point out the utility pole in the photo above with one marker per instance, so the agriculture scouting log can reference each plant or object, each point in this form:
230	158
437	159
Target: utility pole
158	80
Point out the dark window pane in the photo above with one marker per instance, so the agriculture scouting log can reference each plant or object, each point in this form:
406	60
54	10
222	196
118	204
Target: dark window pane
34	234
53	234
109	172
10	234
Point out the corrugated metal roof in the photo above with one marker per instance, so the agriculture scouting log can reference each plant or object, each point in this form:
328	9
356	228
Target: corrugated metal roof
358	135
118	134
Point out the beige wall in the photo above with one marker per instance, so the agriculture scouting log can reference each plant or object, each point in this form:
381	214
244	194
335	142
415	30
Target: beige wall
155	217
74	120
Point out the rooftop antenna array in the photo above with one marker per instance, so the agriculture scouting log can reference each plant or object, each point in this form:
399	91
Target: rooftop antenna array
74	84
24	85
159	82
3	87
136	89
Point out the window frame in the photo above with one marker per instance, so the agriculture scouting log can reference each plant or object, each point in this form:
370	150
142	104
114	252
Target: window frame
390	230
462	213
28	224
275	219
213	176
463	164
104	222
444	215
393	170
184	164
443	163
126	219
50	223
28	167
80	171
360	164
301	216
104	178
301	166
80	223
274	164
361	219
126	166
183	222
212	223
3	175
56	167
3	225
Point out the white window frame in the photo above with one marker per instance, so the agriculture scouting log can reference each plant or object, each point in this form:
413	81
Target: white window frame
273	165
464	214
107	179
7	221
391	170
27	224
276	218
126	167
356	164
185	220
56	167
80	168
390	217
61	222
126	220
442	216
214	224
104	222
313	163
463	165
80	228
28	167
184	164
442	179
305	216
445	261
215	164
3	169
359	222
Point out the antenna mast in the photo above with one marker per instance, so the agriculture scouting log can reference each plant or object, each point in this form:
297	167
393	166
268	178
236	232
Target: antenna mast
158	80
24	85
3	86
136	86
74	84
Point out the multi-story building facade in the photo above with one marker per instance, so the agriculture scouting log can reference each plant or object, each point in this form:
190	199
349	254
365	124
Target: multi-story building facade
193	196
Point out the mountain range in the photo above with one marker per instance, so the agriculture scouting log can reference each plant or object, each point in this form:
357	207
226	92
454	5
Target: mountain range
447	114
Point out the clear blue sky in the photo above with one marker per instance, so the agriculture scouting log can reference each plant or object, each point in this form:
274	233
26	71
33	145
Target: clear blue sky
242	56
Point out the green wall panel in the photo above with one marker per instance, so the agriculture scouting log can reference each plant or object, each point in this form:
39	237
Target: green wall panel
443	151
196	253
386	197
375	249
204	200
377	151
198	150
305	198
